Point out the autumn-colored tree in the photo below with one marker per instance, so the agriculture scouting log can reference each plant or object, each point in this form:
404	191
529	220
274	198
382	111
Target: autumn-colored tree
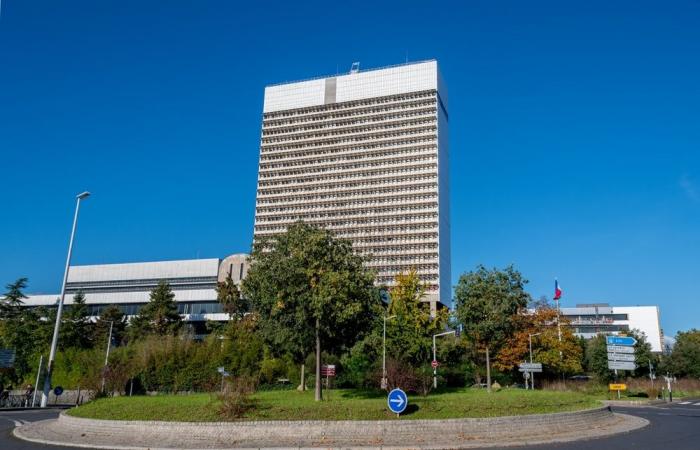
556	357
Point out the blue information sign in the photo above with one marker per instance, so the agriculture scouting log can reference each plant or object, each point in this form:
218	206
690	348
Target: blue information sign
58	390
397	401
621	340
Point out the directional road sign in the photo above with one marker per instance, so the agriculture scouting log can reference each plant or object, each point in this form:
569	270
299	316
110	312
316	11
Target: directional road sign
620	349
530	367
621	365
617	387
621	357
621	340
397	401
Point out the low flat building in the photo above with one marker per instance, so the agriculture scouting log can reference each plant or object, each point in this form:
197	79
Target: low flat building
589	320
129	285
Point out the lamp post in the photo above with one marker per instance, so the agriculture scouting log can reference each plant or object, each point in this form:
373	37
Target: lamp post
384	381
435	355
57	326
109	346
532	374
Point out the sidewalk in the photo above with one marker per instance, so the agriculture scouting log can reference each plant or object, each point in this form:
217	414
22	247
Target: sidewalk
386	434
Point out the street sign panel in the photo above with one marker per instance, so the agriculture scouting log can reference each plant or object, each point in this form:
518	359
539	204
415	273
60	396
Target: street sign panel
621	365
530	367
328	370
621	340
58	390
621	357
617	387
435	364
397	401
620	349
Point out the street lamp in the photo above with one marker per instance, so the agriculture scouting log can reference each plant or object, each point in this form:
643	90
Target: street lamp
384	381
57	326
435	355
532	374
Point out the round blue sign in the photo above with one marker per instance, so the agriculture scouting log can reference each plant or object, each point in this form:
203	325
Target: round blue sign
397	401
58	390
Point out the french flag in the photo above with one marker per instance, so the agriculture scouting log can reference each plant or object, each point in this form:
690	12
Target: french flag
557	290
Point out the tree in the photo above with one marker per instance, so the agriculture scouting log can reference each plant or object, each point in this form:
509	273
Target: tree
114	317
19	329
310	290
409	334
159	316
76	330
685	358
11	302
229	296
557	357
487	303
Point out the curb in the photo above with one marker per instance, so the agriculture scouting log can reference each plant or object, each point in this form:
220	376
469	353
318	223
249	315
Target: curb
562	427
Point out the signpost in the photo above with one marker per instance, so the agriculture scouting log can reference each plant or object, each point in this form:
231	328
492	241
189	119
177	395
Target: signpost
620	357
617	386
397	400
328	371
529	369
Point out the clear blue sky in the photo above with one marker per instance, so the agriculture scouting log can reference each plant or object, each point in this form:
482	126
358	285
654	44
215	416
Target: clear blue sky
575	131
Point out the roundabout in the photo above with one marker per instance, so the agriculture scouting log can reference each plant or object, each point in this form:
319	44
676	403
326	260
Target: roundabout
71	431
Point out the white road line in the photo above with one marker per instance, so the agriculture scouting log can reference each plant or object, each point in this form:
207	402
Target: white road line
17	423
685	403
697	404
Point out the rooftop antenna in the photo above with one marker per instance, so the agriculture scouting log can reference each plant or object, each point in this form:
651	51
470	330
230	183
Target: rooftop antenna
355	67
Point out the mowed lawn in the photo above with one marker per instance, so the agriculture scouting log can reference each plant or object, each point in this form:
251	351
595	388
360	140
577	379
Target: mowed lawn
338	405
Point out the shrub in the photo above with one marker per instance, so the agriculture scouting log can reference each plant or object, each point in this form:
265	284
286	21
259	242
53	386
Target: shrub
237	399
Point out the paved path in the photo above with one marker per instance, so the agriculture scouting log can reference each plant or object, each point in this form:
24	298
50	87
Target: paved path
673	427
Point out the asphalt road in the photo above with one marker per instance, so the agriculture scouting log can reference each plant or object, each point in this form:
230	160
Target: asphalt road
672	427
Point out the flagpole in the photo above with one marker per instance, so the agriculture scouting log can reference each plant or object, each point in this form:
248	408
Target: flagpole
556	294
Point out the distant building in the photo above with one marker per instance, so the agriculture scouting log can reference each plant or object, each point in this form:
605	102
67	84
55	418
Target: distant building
365	155
128	286
589	320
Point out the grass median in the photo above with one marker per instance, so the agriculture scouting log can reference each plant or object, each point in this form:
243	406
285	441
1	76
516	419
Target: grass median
338	405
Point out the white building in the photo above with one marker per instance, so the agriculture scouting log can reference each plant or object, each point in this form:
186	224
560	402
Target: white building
365	155
589	320
128	285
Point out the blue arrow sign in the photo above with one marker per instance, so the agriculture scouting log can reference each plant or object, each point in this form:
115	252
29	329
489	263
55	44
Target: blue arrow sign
397	401
621	340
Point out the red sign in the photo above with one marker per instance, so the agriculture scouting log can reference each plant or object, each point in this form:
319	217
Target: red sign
328	370
435	364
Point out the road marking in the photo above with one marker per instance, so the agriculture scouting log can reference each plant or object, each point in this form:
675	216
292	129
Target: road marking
17	423
685	403
697	404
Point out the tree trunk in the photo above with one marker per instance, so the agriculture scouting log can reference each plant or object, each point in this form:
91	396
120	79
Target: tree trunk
317	395
302	385
488	370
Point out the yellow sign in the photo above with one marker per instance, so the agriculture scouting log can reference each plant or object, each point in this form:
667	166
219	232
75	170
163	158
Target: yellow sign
618	387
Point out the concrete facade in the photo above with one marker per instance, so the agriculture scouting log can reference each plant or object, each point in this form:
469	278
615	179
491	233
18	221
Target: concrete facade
364	155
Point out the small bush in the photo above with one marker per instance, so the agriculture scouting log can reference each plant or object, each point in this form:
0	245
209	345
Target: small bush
237	399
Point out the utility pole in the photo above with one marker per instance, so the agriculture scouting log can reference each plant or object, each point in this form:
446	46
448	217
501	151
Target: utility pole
109	345
57	326
38	375
384	380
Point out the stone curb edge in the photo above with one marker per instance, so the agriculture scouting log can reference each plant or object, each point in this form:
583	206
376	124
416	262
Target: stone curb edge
632	423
